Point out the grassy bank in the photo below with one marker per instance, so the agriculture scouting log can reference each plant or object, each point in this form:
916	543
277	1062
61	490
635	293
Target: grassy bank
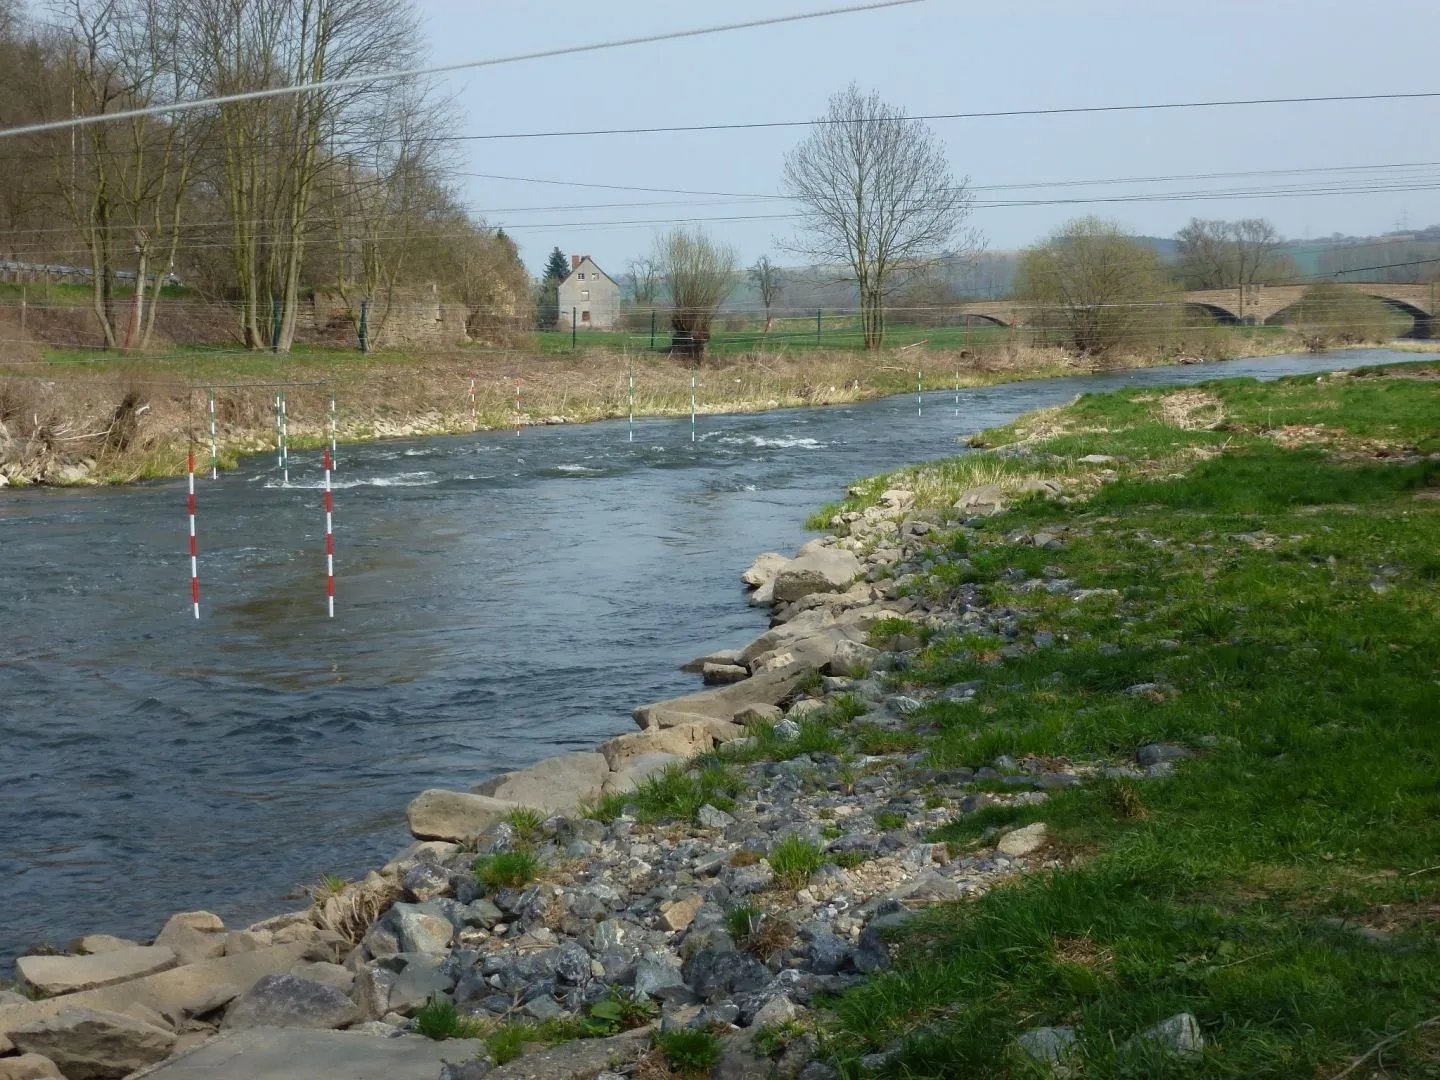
1268	602
87	416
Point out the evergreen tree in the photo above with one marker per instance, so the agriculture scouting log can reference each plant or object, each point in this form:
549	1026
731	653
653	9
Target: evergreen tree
557	269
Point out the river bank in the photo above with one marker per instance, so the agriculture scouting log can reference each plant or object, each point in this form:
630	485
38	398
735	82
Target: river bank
935	656
125	420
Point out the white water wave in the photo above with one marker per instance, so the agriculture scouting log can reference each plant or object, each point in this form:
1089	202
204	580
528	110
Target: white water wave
774	442
410	479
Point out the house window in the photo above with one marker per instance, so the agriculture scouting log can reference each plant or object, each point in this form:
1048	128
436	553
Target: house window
585	316
584	294
582	275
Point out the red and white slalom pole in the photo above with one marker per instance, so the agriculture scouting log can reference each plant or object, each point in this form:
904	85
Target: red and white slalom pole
329	539
194	550
517	407
474	409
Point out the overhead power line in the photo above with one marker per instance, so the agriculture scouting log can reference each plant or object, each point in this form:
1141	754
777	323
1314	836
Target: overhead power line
412	73
1068	110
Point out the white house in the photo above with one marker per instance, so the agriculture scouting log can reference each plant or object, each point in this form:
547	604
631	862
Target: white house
589	296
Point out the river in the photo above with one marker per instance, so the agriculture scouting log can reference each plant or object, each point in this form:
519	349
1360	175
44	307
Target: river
501	598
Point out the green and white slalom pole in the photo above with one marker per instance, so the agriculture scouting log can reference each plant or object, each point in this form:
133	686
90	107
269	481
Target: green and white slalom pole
214	448
333	461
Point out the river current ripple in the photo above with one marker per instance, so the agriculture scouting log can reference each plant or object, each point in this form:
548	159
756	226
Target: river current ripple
501	598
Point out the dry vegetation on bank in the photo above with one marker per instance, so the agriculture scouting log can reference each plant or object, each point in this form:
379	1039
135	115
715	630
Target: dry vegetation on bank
82	418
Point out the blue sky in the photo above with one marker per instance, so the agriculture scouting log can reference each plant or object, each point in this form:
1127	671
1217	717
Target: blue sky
941	56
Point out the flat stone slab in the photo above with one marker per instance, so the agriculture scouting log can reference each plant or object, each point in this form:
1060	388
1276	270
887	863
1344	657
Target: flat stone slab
53	975
293	1054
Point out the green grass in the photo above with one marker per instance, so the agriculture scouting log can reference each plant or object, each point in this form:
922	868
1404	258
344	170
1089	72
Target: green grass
690	1053
507	870
526	822
1288	596
507	1041
673	795
620	1010
438	1019
794	859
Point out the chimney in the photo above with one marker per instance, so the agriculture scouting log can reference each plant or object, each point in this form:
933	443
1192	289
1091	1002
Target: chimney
575	262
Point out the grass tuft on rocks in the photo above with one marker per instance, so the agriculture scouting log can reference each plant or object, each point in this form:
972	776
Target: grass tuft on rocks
690	1053
507	870
439	1019
794	859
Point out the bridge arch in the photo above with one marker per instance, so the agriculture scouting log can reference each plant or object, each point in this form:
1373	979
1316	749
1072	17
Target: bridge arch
1219	312
1423	323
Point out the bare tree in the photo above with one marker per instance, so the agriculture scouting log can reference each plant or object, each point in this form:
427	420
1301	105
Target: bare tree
1224	254
876	195
766	279
700	274
274	150
1103	288
645	274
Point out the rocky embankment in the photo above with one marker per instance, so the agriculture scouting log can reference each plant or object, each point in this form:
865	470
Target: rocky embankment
715	871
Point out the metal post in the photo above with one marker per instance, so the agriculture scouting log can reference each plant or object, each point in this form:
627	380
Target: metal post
364	326
818	312
652	329
919	393
632	400
692	403
957	393
275	325
333	461
279	452
574	329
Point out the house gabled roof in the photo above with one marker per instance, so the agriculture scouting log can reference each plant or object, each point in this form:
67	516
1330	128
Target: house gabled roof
595	266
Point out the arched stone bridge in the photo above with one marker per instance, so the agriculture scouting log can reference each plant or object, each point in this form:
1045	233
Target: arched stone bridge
1256	305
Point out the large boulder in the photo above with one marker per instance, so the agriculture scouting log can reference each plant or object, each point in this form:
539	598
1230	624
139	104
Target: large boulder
684	740
29	1067
89	1045
763	570
54	975
454	815
193	936
723	702
288	1001
556	785
823	570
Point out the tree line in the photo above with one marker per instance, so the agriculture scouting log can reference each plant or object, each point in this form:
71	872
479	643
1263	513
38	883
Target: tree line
258	202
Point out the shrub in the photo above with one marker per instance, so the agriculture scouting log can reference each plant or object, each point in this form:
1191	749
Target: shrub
794	859
439	1019
508	870
742	922
886	820
690	1053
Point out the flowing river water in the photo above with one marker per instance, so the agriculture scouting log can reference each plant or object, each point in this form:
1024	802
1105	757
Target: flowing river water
501	598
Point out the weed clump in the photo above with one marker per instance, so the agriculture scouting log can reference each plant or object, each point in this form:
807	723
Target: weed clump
690	1053
794	859
507	870
439	1019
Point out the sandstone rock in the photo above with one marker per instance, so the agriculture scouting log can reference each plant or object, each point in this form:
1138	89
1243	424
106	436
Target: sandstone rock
723	702
723	656
555	785
247	941
679	914
89	1045
723	731
711	817
28	1066
723	674
302	1054
288	1001
759	714
453	815
422	978
94	944
341	978
425	882
685	740
764	569
1023	841
193	936
764	596
820	571
983	501
638	771
53	975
